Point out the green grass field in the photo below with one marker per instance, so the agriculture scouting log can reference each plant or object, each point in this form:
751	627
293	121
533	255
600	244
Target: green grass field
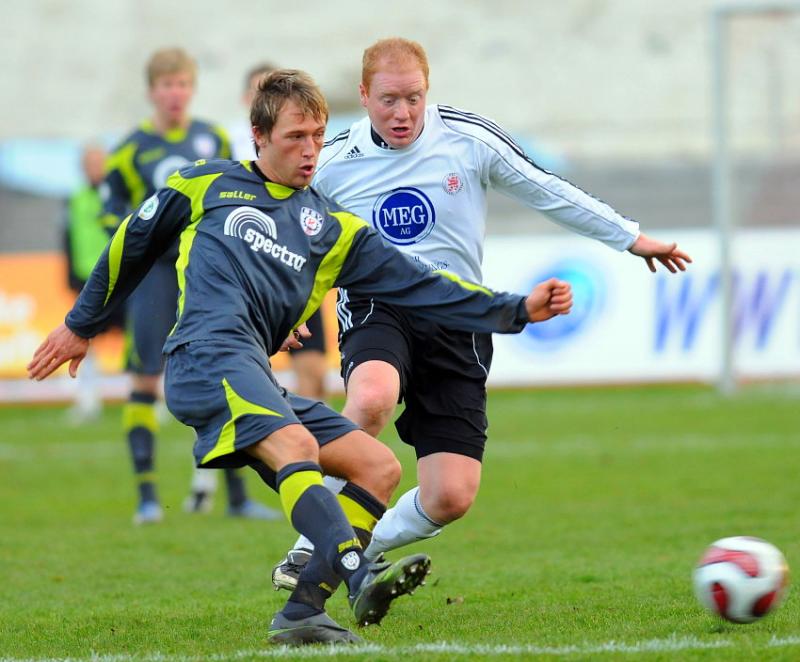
594	507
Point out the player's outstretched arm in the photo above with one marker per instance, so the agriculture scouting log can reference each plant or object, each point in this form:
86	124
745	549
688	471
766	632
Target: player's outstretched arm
60	346
548	299
669	255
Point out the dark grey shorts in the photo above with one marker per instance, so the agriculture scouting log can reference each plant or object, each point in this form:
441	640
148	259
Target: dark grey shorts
150	316
230	397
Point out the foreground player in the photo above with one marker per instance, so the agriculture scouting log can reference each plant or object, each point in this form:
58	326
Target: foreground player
308	358
136	169
258	251
421	174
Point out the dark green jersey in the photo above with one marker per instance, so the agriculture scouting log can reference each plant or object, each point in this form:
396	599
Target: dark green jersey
256	259
145	159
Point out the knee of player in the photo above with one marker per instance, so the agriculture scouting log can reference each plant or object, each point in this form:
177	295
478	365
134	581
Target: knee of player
452	504
380	474
389	472
304	446
373	405
294	443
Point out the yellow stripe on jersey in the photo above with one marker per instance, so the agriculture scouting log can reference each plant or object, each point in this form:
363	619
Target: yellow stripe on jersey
123	161
226	442
194	189
472	287
293	487
331	264
115	249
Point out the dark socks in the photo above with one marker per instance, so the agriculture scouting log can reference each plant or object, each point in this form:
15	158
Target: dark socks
139	422
318	581
316	513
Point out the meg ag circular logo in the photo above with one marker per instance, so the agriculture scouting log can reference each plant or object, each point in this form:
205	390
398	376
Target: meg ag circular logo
404	215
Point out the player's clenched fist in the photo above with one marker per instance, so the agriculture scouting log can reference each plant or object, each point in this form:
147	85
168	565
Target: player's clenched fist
60	346
548	299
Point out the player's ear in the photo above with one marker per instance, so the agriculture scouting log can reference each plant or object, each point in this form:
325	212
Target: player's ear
260	138
363	93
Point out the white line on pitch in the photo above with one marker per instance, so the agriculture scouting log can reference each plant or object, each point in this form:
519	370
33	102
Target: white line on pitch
671	644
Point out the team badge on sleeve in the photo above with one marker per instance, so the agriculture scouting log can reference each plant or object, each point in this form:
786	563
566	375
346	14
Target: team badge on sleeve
310	221
148	208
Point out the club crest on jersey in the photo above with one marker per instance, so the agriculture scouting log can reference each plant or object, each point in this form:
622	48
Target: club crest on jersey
204	145
452	183
258	230
310	221
404	215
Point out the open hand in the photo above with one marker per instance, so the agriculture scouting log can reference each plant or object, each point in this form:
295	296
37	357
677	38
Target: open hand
60	346
667	254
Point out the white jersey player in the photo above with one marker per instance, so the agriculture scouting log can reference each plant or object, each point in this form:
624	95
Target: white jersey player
429	199
420	174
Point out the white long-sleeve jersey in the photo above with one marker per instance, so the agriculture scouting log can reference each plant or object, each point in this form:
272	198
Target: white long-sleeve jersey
429	199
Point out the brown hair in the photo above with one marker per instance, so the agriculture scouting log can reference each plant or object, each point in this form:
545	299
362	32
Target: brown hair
278	87
169	61
394	50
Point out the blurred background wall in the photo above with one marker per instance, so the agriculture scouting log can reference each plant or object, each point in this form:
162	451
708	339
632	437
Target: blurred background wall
614	95
593	77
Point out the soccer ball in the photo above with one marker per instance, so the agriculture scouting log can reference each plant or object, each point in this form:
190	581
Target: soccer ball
741	578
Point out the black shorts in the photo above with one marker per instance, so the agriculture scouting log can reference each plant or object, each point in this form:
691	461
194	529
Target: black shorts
316	343
442	373
229	395
150	316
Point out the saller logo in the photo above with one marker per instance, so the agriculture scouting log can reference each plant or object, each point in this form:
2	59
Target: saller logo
259	230
236	195
404	215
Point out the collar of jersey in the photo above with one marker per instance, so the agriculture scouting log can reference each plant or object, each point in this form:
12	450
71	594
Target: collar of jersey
277	191
176	135
386	148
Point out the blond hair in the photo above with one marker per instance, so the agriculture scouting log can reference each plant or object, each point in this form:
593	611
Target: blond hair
395	51
277	88
169	61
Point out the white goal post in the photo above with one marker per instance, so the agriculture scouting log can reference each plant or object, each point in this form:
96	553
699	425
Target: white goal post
724	212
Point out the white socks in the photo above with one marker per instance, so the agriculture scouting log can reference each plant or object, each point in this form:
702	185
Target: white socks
405	523
204	480
335	485
401	525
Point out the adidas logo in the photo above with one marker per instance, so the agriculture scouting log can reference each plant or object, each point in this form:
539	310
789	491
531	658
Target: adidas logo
354	153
